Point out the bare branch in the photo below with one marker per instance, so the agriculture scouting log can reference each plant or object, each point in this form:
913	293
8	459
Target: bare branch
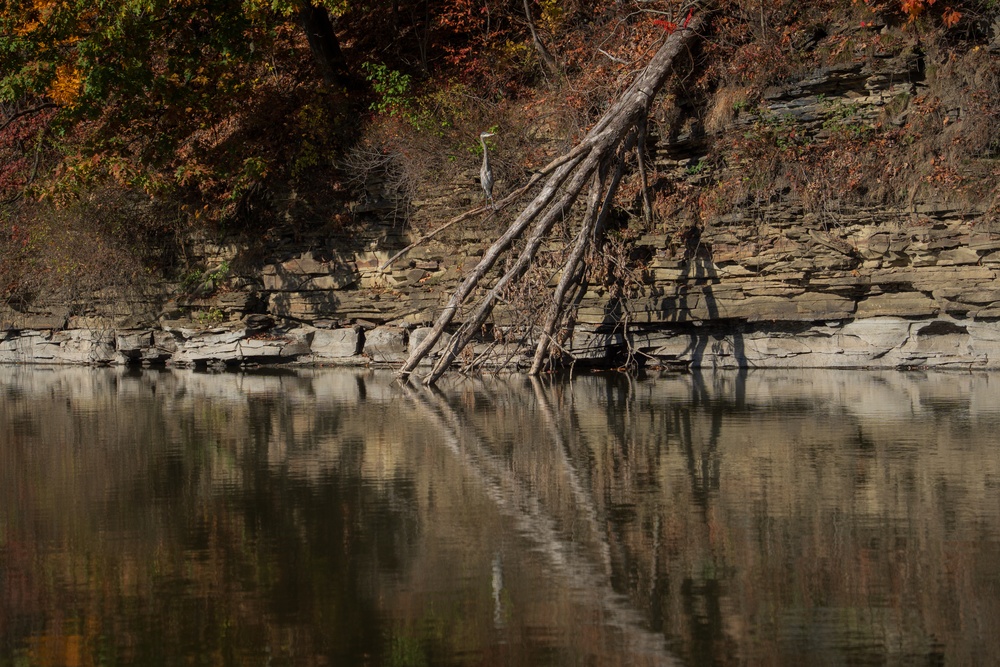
617	60
25	112
647	204
542	227
550	62
502	204
570	273
489	259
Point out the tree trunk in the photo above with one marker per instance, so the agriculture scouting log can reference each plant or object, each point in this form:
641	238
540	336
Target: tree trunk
324	44
547	59
607	142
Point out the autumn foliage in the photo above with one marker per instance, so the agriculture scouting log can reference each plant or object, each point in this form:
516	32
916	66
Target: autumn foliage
219	114
914	9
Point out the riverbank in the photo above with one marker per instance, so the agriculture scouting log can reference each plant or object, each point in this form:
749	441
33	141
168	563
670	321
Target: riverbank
778	272
781	293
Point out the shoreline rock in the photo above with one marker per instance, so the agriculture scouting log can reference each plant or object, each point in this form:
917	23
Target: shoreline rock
876	342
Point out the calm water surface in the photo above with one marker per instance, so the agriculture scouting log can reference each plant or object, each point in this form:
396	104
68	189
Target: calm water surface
338	518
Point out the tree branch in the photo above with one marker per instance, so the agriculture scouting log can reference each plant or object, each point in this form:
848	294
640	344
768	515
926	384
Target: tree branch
550	63
485	307
615	129
25	112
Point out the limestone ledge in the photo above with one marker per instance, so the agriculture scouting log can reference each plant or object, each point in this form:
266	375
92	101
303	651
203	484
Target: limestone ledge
785	290
874	342
235	345
867	292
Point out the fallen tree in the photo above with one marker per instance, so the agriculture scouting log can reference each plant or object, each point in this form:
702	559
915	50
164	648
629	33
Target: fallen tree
598	161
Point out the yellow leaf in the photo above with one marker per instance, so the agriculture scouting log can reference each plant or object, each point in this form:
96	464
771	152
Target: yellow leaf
65	89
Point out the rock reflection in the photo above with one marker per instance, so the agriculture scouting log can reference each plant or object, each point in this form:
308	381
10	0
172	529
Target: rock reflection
338	517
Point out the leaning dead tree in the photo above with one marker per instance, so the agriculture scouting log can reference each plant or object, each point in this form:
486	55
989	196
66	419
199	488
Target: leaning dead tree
596	163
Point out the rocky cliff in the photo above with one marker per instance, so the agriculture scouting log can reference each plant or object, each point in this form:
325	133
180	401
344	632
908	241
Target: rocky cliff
774	283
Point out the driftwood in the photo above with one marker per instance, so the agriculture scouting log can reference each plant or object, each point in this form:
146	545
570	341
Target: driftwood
617	132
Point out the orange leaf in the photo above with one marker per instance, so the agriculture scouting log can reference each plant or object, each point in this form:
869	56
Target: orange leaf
950	17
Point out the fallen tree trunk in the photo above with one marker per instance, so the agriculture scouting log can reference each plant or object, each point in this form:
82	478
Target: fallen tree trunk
620	128
573	268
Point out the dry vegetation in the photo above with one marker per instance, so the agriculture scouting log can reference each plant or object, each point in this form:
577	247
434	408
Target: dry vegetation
939	143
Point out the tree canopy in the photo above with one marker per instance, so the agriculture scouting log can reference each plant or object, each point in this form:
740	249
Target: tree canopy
210	99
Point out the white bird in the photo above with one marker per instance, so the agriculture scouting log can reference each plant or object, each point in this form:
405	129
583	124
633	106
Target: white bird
485	173
497	591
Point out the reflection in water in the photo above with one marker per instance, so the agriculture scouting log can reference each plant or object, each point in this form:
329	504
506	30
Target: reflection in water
337	517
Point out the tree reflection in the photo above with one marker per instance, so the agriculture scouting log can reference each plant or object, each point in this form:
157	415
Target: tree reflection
192	545
340	518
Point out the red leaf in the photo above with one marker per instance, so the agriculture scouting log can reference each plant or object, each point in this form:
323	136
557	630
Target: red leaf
668	26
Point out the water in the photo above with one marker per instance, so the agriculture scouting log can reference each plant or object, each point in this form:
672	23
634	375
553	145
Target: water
338	518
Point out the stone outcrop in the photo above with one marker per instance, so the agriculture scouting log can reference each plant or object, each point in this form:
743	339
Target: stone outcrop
775	286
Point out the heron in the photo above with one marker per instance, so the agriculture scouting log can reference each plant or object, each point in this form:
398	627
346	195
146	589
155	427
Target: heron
486	173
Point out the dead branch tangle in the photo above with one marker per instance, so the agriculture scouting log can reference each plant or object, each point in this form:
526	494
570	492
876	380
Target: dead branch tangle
617	132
